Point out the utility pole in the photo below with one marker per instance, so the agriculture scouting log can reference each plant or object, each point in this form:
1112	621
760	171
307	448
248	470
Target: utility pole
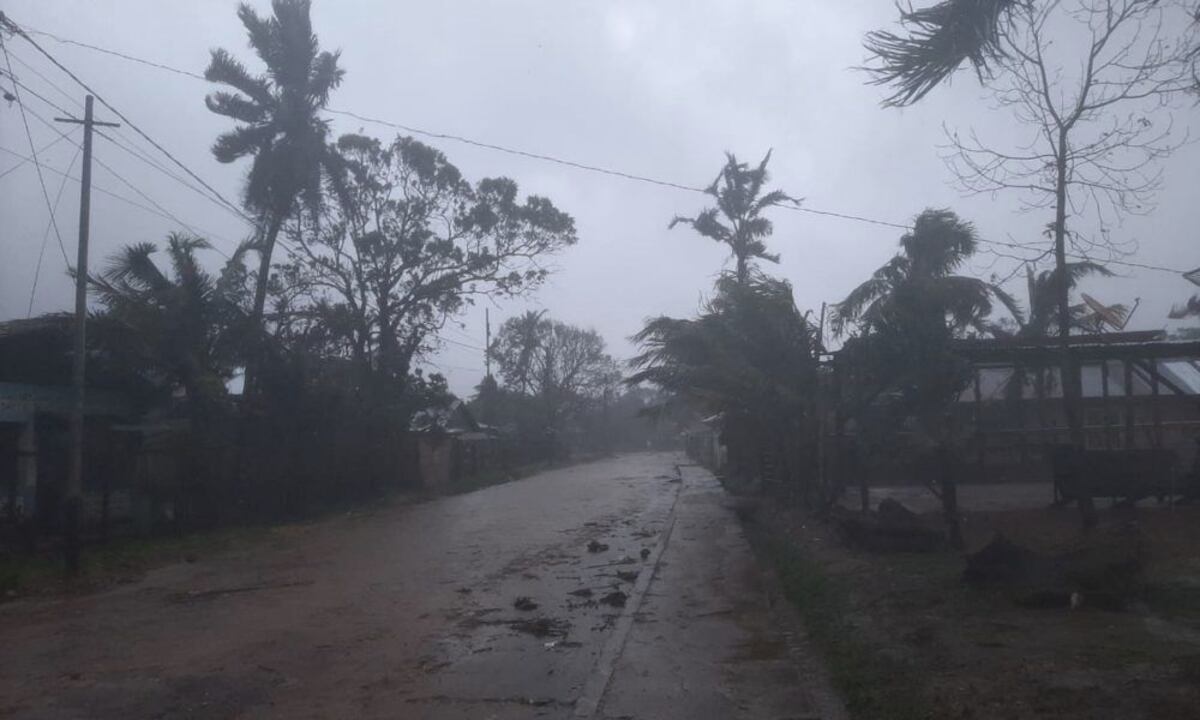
74	495
487	345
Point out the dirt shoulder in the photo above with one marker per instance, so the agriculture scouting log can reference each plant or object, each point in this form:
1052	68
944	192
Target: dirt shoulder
905	637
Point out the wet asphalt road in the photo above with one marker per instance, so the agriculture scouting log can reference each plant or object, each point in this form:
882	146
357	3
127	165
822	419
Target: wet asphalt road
412	612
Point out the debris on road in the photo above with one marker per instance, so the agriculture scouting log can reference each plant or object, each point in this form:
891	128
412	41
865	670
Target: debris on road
595	546
525	604
616	598
541	627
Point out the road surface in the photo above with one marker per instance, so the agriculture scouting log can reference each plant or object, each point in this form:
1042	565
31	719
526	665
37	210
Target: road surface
616	589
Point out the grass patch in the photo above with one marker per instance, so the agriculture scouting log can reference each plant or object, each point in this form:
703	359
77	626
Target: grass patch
873	686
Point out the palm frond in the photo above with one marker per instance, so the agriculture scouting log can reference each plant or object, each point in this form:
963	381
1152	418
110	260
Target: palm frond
225	69
935	42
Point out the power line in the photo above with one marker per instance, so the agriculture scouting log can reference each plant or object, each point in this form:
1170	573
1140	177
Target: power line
28	66
463	344
42	149
478	143
126	148
133	126
114	53
167	213
100	190
33	150
540	156
37	268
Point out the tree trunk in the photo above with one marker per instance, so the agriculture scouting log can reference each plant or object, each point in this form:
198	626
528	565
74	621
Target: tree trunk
257	349
949	488
1069	374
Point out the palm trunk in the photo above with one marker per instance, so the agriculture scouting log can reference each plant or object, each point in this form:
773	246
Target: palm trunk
257	349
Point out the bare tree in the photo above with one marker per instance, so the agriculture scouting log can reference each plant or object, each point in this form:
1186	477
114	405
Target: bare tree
1093	82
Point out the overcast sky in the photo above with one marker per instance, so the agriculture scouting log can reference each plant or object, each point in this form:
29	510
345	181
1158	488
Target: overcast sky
659	89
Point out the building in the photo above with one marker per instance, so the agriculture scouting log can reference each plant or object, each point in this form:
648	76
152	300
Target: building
1139	390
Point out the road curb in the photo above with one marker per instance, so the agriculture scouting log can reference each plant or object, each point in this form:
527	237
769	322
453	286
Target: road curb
588	702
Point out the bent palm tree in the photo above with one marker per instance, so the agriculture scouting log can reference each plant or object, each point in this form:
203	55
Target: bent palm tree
279	123
738	191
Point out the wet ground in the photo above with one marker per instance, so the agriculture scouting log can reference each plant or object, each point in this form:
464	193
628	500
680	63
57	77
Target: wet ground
617	589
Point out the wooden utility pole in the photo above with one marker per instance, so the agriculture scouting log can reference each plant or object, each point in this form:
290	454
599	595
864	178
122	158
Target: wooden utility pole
73	509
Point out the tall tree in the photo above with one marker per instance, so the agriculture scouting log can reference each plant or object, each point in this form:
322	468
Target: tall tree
738	220
908	314
412	245
279	125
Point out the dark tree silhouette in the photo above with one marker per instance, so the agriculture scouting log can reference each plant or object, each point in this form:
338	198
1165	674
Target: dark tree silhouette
918	285
909	314
412	245
279	125
183	326
750	356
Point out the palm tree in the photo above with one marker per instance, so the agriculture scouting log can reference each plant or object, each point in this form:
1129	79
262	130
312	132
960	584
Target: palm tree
750	356
1042	319
904	364
182	327
738	190
919	285
1041	322
279	123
